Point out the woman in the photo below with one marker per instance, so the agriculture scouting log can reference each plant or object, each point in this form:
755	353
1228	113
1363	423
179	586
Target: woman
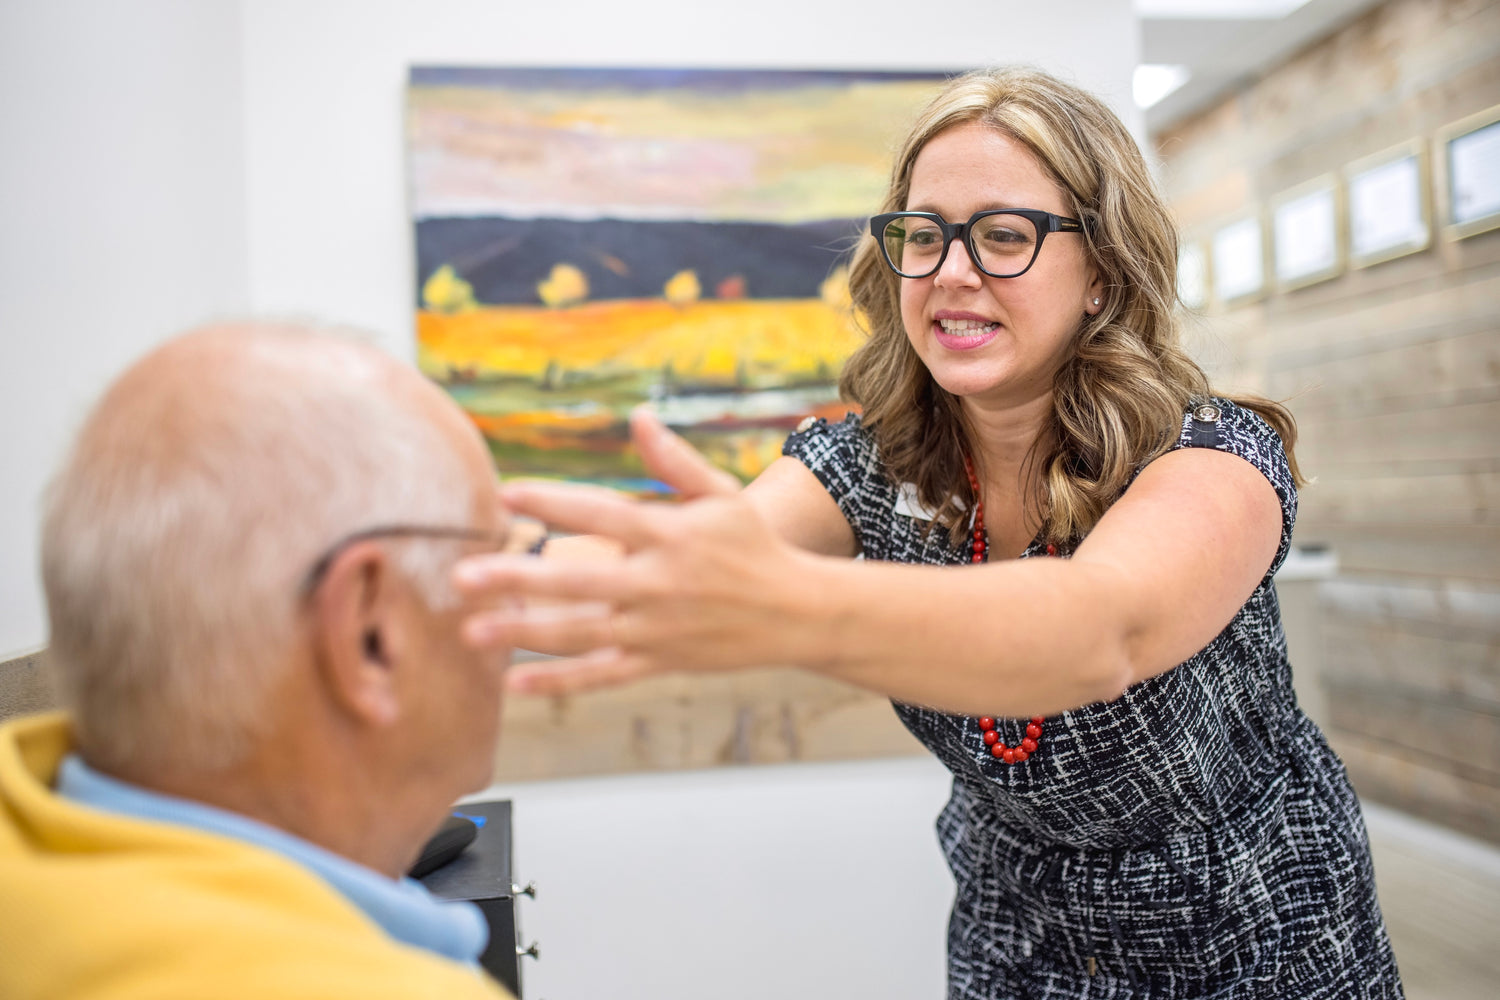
1139	807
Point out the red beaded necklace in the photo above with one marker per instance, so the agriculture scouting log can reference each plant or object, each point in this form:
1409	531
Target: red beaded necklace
1033	738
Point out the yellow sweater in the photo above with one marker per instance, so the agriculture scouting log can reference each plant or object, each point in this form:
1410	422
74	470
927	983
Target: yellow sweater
106	907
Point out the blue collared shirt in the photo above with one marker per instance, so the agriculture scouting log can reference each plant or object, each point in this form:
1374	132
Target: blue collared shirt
404	907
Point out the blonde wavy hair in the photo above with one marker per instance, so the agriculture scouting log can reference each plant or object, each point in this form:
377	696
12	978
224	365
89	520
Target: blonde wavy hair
1119	399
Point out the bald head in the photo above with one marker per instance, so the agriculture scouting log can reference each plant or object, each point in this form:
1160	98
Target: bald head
238	383
206	481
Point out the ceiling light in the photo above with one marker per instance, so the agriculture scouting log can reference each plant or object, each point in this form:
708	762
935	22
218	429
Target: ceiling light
1153	82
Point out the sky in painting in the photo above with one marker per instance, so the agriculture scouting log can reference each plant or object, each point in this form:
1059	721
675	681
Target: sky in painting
683	145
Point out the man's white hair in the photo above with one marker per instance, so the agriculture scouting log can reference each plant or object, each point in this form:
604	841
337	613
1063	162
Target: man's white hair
177	532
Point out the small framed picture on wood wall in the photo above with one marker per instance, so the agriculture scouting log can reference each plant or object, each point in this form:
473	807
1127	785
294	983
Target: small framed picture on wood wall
1389	210
1192	275
1305	240
1469	174
1239	260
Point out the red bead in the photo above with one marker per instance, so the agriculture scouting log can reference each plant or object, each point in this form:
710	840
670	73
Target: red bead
978	558
999	749
1038	719
1009	756
1028	744
985	722
1051	549
1034	730
1021	755
991	738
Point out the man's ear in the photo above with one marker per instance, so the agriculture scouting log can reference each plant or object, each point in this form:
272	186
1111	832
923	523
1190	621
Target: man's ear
356	629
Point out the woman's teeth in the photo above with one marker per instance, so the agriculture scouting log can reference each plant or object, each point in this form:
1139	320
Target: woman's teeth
966	327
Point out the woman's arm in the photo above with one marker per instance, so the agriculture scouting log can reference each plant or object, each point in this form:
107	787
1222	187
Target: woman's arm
714	584
1161	575
798	509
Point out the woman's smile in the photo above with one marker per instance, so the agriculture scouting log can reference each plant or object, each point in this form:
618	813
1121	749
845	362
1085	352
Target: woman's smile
962	331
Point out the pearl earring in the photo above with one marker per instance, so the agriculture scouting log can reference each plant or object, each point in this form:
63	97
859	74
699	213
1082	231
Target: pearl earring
1096	302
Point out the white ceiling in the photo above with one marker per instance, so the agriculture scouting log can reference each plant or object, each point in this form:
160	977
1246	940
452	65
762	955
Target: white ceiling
1224	42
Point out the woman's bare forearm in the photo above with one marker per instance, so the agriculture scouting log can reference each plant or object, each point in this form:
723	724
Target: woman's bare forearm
1015	639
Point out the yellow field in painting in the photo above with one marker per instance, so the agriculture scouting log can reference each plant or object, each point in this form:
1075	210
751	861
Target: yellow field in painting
551	389
711	341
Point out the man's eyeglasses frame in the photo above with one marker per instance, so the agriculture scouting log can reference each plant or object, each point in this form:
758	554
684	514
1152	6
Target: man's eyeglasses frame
319	569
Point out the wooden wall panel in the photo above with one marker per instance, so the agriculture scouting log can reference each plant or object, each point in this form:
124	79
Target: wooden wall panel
1459	363
26	685
1393	372
1449	495
1419	784
1438	664
1447	733
679	722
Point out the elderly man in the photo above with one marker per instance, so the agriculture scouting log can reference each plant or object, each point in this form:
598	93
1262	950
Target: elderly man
269	710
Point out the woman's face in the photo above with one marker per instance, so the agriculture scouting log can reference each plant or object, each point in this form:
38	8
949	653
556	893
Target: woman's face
996	341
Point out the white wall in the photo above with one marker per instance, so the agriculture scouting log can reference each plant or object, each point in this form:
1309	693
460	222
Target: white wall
121	220
166	161
795	882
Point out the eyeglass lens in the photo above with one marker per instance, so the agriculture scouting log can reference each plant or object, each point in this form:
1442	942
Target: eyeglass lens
1003	244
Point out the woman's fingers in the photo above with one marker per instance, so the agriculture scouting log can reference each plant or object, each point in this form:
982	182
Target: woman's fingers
672	460
581	510
493	575
603	668
555	629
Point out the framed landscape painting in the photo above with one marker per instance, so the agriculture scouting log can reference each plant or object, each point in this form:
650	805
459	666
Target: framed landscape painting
588	240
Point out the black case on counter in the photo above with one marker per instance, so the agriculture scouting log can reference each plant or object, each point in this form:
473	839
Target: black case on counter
481	874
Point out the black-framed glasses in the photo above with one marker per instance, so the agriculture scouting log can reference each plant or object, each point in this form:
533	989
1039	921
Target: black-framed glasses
319	568
1002	242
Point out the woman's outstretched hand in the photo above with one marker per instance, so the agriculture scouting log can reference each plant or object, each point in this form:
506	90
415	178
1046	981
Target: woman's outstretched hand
699	586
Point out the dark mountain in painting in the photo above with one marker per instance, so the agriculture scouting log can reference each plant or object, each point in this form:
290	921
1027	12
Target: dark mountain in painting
504	260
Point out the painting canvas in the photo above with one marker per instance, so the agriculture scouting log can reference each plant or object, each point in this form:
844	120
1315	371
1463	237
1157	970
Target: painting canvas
590	240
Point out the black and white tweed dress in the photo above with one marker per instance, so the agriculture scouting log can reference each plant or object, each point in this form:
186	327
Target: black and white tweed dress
1194	838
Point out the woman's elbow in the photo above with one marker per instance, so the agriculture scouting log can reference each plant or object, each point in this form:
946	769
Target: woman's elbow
1107	659
1112	672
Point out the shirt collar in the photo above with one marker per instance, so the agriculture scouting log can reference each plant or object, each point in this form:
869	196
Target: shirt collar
402	907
